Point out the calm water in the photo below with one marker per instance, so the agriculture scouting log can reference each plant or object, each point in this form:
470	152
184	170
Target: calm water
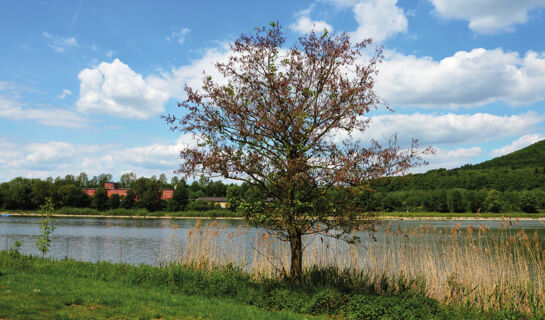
139	241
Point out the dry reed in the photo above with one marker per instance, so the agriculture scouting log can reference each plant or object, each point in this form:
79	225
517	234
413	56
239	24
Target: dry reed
489	269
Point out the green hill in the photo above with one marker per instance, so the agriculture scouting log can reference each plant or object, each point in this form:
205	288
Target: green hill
520	170
511	183
532	156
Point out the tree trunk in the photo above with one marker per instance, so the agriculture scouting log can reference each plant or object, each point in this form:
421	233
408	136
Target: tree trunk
296	245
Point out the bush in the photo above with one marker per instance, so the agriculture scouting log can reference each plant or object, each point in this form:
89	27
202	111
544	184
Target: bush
457	202
528	202
114	201
326	301
200	205
492	202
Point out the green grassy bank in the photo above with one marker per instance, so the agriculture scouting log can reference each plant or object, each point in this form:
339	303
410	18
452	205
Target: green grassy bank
225	213
453	215
215	213
36	288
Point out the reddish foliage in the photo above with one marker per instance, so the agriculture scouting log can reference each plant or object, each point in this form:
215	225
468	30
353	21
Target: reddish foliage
272	125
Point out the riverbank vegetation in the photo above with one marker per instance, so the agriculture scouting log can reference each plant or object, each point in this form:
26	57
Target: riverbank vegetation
39	288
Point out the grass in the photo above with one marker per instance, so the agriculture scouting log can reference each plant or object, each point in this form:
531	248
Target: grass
56	293
36	288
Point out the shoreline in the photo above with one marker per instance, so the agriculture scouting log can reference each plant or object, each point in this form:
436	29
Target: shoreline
462	218
415	218
58	215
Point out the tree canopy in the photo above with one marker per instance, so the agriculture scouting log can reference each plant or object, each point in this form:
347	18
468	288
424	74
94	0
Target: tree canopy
275	123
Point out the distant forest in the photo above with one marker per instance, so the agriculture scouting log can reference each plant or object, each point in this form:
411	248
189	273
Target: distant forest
514	182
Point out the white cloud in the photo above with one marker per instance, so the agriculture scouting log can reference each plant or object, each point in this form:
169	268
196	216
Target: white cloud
378	19
57	158
518	144
488	16
65	93
191	74
115	89
12	109
305	24
179	36
433	129
471	78
60	44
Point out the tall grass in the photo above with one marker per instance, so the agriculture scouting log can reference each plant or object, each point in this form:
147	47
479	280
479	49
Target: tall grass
476	267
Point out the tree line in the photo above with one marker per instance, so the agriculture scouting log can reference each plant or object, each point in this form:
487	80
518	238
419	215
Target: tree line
29	194
459	200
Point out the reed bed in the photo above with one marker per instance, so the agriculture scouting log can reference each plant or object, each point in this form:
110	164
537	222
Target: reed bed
475	267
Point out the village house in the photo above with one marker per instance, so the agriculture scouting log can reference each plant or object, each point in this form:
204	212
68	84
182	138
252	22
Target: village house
112	188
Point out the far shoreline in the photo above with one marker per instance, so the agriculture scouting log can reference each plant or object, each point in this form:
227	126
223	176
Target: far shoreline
58	215
538	217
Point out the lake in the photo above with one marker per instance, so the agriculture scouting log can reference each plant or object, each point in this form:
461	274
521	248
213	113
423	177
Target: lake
150	241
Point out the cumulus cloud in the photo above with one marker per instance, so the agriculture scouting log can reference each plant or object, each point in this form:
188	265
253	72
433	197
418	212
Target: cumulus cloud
433	129
13	109
60	44
518	144
378	19
471	78
179	36
488	16
115	89
305	24
192	74
57	158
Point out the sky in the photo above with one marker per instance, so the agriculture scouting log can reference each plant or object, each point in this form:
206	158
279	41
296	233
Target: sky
83	84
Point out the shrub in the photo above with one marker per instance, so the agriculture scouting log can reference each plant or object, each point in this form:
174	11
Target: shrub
528	202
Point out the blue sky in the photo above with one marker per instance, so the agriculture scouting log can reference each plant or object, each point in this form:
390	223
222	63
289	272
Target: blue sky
83	83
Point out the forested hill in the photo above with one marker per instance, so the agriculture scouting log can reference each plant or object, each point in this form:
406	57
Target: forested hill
520	170
532	156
